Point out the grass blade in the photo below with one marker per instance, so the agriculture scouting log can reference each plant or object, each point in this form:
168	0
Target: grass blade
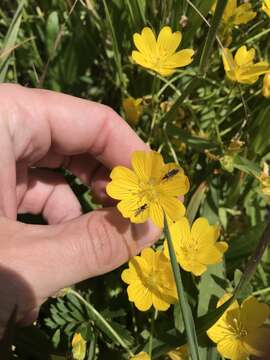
211	35
195	202
9	42
117	55
185	308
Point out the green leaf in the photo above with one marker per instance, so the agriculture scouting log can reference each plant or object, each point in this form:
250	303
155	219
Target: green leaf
249	167
246	290
211	287
10	41
195	202
195	20
56	338
52	31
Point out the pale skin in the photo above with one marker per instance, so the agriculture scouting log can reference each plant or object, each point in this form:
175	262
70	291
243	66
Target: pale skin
42	129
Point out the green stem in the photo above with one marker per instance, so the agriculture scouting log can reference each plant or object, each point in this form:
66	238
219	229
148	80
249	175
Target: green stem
254	260
102	320
262	291
153	319
211	35
184	305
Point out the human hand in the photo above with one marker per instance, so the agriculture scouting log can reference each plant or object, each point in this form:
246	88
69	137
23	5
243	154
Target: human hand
41	129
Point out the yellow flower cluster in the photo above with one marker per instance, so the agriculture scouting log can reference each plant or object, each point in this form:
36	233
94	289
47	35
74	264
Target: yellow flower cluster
239	332
151	189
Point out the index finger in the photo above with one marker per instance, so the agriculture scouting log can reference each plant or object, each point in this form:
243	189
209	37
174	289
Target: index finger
69	126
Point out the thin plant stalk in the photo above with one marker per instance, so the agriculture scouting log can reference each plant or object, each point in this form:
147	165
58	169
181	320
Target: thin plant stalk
184	305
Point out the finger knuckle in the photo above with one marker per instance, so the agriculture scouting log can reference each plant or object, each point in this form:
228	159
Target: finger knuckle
100	242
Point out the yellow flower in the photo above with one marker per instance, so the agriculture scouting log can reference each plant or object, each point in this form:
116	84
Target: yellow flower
266	85
266	7
180	353
264	179
236	15
239	331
141	356
159	55
78	347
149	188
133	109
197	247
241	68
150	280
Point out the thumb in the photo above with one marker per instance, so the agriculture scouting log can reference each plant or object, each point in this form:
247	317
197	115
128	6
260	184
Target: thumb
55	256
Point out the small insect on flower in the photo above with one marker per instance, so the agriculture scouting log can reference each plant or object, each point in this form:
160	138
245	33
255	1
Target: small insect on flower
242	68
149	189
170	174
160	54
140	210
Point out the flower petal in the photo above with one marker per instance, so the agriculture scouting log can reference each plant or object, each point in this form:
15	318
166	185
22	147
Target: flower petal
210	255
168	42
179	59
232	348
147	164
149	40
203	232
129	209
244	14
140	44
140	295
140	59
124	183
191	265
244	56
148	255
175	185
180	232
173	207
257	342
222	246
156	214
228	61
159	303
253	313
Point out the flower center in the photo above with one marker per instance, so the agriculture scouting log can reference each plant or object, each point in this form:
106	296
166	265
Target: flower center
149	190
238	329
153	280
